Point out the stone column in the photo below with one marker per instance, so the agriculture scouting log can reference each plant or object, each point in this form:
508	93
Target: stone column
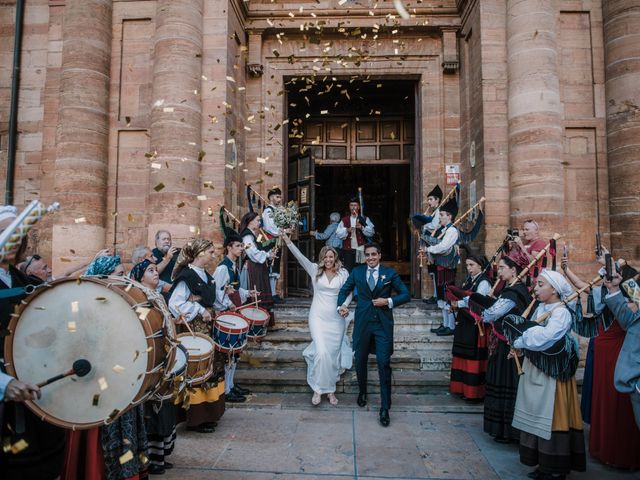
621	19
534	114
80	175
176	119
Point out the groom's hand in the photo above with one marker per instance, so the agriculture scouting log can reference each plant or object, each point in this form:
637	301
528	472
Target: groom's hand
380	302
344	311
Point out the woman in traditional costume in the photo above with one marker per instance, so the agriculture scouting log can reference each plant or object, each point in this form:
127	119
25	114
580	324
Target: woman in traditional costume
469	352
502	374
192	298
547	407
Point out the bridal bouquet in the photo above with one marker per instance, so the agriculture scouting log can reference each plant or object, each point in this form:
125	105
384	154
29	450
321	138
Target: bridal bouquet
286	216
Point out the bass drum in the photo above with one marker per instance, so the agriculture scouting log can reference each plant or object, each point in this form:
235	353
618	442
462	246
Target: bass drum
114	323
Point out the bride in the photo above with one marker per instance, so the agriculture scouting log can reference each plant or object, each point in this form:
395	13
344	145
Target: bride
329	353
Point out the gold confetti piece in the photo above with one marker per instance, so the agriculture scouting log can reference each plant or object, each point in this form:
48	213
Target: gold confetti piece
342	2
80	220
142	312
118	369
65	259
202	197
324	112
128	121
167	109
40	308
75	307
101	299
136	355
96	399
127	457
19	446
231	79
128	287
155	165
130	217
180	205
193	229
159	187
261	160
102	383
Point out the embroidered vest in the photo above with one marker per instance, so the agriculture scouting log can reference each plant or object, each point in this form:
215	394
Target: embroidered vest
205	290
346	243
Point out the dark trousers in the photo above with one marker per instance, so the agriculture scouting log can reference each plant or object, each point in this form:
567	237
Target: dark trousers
375	334
348	259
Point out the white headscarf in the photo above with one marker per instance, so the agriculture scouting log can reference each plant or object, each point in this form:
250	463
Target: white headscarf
559	283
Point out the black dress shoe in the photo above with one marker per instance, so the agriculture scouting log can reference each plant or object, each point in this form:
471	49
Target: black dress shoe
437	329
234	397
445	332
431	301
168	465
384	417
277	299
241	391
156	469
203	428
362	399
535	474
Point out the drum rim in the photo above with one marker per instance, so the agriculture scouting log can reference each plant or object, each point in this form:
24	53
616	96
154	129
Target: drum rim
196	356
225	329
103	280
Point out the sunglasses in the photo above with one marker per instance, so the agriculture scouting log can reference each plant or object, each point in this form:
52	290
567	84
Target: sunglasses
30	261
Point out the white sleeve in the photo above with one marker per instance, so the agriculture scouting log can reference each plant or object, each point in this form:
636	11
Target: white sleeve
255	255
268	224
497	310
484	288
244	294
448	241
542	337
341	231
435	221
221	278
368	230
309	267
179	303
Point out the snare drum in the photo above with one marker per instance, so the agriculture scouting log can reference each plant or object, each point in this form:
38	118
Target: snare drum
108	321
174	381
200	350
258	319
230	332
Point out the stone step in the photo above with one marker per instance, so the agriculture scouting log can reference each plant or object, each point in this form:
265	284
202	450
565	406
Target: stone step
271	380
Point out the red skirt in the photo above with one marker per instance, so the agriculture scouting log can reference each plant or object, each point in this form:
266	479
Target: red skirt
83	456
469	358
614	438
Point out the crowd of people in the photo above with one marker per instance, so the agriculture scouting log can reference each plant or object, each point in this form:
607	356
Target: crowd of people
513	321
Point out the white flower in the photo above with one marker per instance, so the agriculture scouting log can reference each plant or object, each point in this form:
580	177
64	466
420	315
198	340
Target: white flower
383	277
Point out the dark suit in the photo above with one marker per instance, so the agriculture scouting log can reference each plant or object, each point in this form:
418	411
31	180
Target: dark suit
373	327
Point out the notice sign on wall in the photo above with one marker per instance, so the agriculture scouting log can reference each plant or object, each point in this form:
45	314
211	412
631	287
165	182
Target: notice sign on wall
452	173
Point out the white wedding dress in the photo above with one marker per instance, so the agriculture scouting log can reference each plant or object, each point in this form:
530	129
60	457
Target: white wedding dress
329	353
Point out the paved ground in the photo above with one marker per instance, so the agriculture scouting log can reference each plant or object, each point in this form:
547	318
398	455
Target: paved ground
284	437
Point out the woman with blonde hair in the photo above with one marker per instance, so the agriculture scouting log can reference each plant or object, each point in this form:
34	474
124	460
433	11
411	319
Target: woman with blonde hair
329	353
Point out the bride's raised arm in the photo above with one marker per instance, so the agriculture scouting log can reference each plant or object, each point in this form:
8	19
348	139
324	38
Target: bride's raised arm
309	267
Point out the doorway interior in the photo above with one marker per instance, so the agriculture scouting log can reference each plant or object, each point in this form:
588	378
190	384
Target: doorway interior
347	133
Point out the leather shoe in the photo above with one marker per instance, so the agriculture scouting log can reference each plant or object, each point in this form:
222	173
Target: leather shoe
445	332
156	469
277	299
241	391
535	474
168	465
384	417
437	329
234	397
431	301
362	399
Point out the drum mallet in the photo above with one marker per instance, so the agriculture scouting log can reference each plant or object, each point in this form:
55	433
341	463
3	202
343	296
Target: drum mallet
80	368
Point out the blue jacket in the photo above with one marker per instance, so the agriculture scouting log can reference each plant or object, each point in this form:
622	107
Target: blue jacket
330	236
627	372
388	281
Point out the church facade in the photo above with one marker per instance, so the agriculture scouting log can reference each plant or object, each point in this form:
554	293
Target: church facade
152	114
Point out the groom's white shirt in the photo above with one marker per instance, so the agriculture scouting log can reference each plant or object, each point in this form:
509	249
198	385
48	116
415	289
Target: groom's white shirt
376	273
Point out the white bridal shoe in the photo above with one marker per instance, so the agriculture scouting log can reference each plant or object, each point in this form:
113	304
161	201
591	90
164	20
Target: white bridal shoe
316	399
332	399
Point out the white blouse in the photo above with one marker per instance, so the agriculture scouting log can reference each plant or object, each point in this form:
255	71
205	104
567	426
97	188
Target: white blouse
541	337
179	303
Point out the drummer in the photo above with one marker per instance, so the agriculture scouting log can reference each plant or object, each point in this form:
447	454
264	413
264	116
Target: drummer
192	297
229	296
160	417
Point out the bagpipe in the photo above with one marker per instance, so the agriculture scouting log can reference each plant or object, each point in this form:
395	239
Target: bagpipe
12	236
454	294
255	199
560	361
227	217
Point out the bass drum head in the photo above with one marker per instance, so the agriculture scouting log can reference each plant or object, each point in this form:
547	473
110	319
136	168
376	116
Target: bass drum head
72	321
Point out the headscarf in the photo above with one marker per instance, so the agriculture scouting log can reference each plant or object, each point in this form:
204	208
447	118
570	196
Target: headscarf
103	265
558	282
137	272
188	253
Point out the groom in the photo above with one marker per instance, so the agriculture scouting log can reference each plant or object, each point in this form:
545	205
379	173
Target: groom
373	328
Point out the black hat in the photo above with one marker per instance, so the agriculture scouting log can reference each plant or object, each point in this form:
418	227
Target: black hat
419	220
475	256
451	207
436	192
274	191
230	238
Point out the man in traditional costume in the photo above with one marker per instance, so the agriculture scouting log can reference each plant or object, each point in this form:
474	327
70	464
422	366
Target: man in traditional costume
429	224
443	253
354	230
547	409
275	200
229	296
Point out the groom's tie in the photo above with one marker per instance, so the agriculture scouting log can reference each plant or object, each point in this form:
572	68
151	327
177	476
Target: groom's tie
371	281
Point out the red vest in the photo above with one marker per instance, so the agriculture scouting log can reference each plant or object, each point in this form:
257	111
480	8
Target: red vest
346	243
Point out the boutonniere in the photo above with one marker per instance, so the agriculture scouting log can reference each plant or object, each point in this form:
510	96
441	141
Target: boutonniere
383	277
